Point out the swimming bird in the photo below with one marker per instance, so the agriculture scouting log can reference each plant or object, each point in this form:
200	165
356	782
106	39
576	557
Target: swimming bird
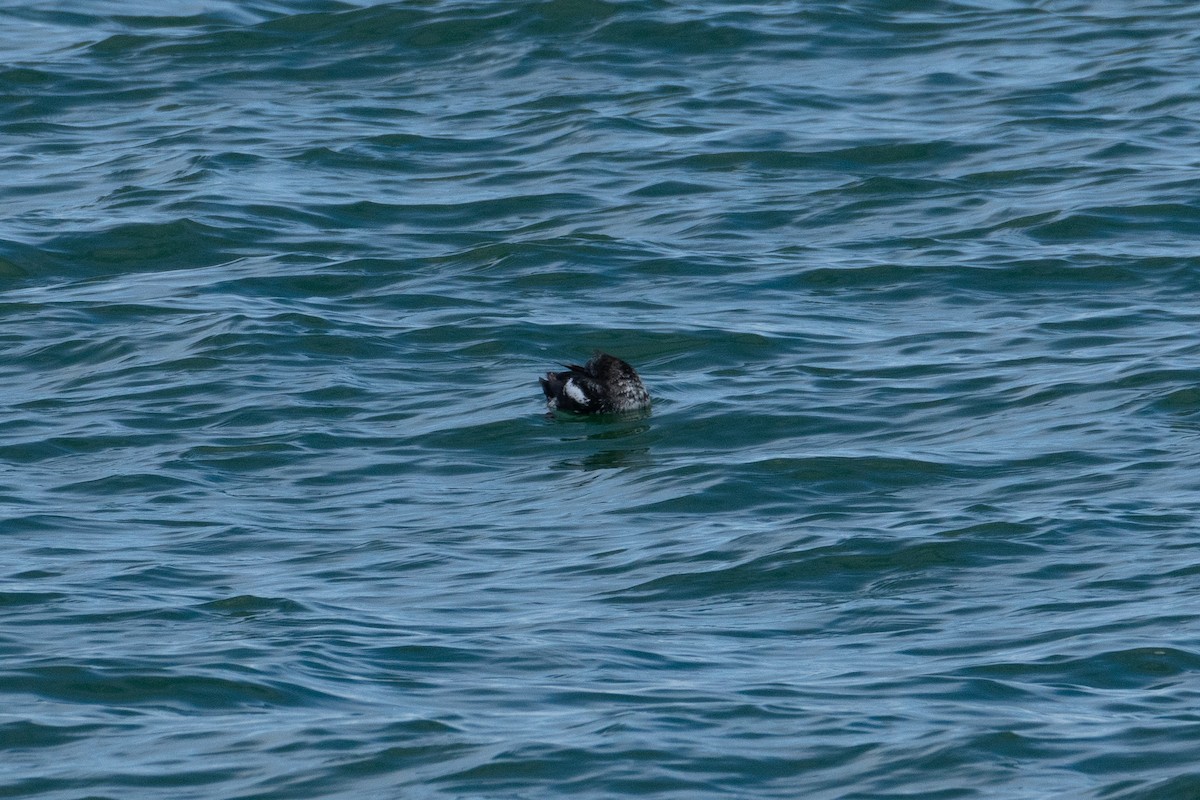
603	385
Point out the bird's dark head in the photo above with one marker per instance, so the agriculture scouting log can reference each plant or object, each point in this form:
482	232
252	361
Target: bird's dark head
611	369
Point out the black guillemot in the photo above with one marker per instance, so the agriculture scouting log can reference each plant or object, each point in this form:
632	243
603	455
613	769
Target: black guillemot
604	385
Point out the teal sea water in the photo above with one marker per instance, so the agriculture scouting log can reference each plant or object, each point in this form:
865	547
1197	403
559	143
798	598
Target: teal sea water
917	509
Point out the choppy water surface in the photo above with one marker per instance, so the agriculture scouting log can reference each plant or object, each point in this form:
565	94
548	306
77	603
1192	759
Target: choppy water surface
913	285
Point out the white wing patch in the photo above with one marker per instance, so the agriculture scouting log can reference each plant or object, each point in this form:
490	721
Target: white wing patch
575	393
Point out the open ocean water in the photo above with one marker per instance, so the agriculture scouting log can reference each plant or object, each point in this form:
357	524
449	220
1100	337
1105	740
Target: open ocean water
913	284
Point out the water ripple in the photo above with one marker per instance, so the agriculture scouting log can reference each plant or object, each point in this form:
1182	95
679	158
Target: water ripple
910	286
